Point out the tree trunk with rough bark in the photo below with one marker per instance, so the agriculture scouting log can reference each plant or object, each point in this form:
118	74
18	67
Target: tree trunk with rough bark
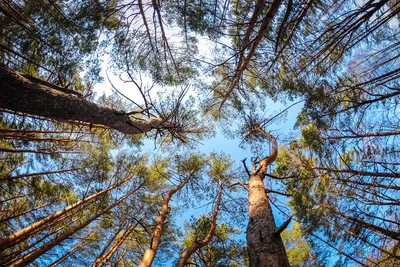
33	96
264	243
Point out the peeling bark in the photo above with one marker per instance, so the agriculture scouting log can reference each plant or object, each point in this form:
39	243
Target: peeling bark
17	93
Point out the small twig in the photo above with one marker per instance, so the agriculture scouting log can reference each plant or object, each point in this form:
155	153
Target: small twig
277	192
239	183
253	162
245	167
119	92
243	185
137	111
283	226
279	178
143	226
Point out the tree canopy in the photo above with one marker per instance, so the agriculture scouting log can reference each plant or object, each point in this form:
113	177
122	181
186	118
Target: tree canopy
78	189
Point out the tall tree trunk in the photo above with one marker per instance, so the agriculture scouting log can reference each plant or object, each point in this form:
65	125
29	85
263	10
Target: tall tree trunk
107	256
32	256
150	253
185	255
25	233
264	243
37	97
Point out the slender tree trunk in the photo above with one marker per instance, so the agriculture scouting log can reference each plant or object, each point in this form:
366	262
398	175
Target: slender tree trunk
105	256
120	257
364	173
75	248
24	131
9	150
209	256
32	256
339	250
25	212
150	253
245	61
107	245
372	227
361	135
10	258
264	243
41	173
17	93
41	139
367	185
24	233
185	255
68	254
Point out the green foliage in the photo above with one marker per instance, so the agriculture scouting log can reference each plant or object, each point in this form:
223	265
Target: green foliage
61	37
224	249
339	57
221	166
192	162
297	247
204	18
324	200
311	137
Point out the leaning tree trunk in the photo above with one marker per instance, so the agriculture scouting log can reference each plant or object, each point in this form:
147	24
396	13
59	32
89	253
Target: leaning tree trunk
264	243
25	233
22	93
32	256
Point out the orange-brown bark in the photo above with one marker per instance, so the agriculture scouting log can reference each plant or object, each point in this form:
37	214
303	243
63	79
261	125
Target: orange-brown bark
264	242
25	233
32	256
105	256
150	253
185	255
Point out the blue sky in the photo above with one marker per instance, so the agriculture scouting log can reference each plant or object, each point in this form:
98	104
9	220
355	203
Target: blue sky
219	143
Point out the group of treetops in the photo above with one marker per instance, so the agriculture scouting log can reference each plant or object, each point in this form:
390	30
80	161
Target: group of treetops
76	188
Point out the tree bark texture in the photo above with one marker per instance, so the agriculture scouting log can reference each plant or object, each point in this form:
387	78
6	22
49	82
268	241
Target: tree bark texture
20	94
264	243
106	255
